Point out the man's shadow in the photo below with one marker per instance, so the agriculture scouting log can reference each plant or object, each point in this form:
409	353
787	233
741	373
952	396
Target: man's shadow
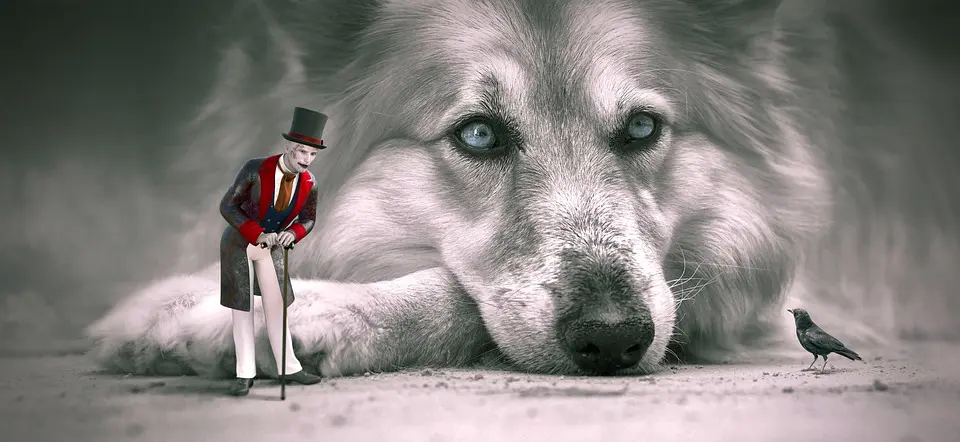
263	389
173	377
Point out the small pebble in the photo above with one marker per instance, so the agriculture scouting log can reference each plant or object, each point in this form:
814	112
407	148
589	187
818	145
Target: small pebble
879	386
788	389
338	420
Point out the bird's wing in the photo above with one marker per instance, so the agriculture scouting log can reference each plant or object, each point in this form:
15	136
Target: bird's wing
823	340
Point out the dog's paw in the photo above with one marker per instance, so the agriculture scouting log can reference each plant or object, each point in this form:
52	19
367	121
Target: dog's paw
177	326
170	327
337	335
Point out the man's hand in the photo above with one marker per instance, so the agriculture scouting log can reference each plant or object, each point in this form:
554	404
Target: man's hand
268	239
286	238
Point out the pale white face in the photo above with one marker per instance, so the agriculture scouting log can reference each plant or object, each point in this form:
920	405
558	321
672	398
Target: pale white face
298	157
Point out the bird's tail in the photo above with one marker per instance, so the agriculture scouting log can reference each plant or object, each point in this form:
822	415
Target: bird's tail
849	354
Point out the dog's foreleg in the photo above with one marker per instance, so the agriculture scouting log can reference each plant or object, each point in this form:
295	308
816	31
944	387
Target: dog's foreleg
421	319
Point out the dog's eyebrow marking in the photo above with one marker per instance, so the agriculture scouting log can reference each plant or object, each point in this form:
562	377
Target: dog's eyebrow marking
488	88
646	98
614	88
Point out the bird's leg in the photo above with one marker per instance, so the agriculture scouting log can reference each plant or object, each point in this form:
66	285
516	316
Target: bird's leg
815	357
824	363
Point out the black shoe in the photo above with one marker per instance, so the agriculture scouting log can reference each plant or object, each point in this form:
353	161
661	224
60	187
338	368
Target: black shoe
302	377
241	387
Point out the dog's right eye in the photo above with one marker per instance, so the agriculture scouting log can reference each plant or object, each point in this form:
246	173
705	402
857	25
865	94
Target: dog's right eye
477	136
638	133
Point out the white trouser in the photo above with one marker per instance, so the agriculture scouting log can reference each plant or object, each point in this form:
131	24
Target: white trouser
259	259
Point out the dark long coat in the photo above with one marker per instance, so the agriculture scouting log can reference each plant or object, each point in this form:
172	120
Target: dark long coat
243	206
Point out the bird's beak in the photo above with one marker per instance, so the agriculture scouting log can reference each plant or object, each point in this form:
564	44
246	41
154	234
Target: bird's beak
790	310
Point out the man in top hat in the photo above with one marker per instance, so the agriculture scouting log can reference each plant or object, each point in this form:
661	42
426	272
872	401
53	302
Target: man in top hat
271	204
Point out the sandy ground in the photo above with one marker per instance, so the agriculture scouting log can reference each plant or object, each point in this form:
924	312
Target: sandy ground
896	395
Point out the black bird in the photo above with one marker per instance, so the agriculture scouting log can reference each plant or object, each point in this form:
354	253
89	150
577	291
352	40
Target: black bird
817	341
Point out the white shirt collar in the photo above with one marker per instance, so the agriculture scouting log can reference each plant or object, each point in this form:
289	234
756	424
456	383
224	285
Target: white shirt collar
282	165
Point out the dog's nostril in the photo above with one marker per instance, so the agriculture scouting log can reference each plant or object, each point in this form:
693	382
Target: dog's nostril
635	348
589	349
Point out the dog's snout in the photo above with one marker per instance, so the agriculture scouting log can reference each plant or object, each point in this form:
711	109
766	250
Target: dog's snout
603	322
603	347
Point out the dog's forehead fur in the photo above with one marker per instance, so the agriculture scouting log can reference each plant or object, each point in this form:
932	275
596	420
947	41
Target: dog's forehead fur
528	56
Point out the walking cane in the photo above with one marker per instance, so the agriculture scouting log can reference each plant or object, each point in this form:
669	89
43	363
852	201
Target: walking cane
283	352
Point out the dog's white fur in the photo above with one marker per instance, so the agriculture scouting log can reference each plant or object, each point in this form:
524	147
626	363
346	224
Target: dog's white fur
424	257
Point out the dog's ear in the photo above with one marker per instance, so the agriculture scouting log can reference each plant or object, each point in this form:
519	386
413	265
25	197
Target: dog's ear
273	55
738	25
322	35
327	33
742	7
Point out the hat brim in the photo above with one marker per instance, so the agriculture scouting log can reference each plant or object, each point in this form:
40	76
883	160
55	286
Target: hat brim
303	142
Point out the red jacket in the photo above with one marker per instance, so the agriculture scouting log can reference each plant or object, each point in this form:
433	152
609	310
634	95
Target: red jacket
243	206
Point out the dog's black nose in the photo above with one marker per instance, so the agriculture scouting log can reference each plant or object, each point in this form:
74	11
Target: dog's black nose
602	347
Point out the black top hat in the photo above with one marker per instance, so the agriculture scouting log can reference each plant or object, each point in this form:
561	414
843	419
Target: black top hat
307	128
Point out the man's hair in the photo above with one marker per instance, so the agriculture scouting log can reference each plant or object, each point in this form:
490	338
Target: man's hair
290	145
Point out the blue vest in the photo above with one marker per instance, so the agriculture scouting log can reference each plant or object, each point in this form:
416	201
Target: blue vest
272	221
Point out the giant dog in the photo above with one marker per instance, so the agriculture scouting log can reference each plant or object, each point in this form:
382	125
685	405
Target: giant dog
584	187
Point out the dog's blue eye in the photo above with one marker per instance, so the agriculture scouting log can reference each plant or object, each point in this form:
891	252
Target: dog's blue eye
641	126
478	135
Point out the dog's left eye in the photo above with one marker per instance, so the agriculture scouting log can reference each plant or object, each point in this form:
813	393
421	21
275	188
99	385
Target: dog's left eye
477	135
641	126
640	132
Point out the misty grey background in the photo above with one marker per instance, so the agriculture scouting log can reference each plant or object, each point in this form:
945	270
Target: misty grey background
93	98
96	96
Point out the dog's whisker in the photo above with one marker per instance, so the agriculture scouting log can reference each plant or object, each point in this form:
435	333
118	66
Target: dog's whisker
729	266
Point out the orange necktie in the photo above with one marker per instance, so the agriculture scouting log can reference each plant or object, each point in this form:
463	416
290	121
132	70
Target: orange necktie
286	187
